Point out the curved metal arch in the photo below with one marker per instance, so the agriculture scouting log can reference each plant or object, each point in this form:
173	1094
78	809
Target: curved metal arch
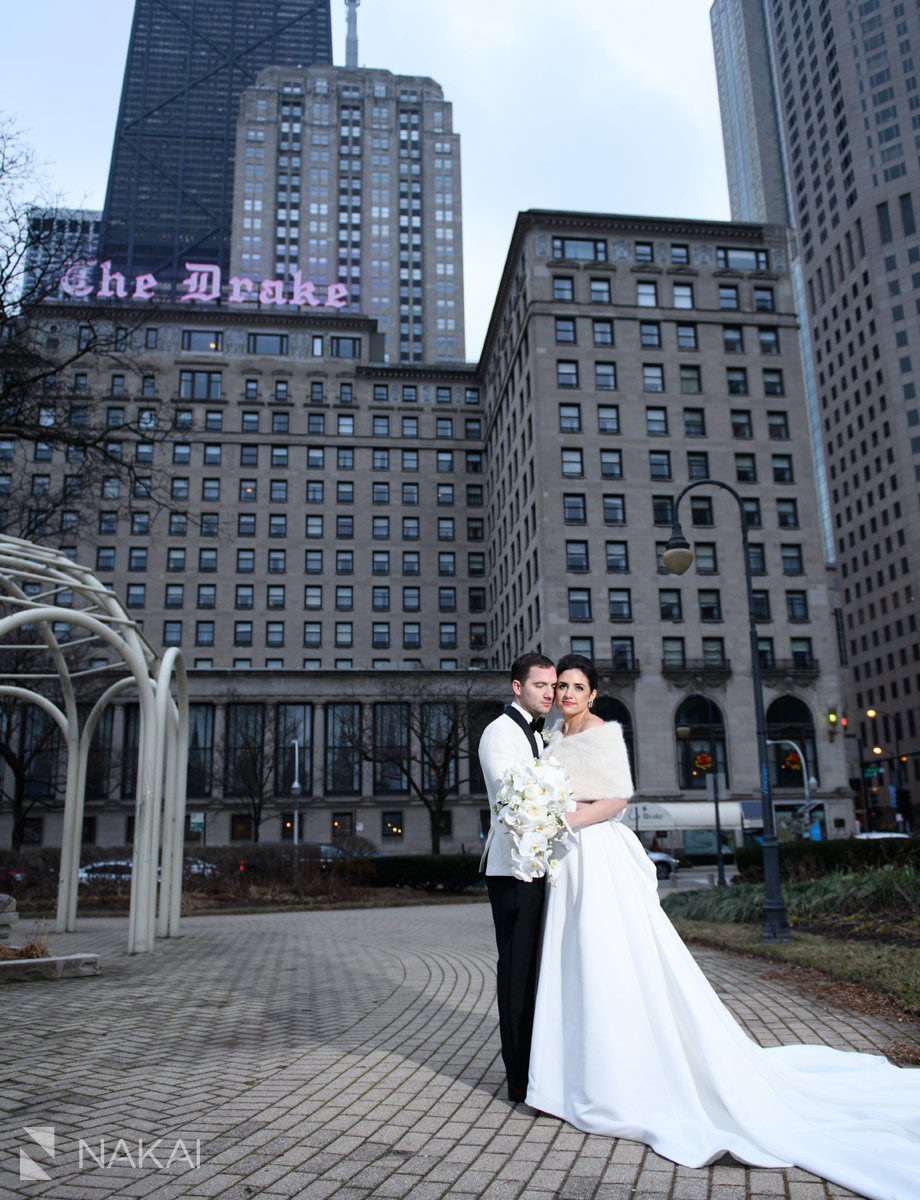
164	721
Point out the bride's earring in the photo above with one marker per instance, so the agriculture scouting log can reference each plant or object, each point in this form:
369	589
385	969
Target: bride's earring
590	704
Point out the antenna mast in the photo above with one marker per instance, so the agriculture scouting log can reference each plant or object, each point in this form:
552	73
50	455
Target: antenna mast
351	39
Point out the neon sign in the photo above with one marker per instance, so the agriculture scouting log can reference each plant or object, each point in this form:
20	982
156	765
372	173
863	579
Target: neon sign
203	284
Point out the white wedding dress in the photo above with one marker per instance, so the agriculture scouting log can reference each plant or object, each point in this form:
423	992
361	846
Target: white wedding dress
630	1040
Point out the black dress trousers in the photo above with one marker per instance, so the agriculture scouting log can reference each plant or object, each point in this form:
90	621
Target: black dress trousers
517	909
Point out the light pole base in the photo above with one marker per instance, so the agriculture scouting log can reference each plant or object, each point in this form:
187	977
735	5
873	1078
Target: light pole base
775	924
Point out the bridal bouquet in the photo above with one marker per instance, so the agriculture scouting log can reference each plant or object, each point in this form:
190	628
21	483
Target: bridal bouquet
531	802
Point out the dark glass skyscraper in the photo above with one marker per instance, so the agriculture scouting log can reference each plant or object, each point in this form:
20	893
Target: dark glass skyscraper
170	192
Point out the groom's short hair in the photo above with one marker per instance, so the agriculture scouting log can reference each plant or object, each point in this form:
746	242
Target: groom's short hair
521	667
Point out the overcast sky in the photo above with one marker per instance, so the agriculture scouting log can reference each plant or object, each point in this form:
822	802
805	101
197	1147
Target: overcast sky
599	105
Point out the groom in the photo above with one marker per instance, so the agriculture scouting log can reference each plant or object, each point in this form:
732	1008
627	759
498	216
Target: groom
517	906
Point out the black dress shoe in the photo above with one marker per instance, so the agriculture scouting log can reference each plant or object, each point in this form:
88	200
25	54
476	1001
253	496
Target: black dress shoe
517	1095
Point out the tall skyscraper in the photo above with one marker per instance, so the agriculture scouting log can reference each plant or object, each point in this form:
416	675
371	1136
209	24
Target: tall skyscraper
843	87
170	190
352	176
57	235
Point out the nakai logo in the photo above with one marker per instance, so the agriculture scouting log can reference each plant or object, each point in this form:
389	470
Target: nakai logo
203	284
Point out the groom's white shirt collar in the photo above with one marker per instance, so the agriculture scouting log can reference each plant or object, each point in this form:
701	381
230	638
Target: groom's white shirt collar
522	710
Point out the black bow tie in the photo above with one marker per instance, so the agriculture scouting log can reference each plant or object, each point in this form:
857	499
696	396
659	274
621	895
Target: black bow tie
537	724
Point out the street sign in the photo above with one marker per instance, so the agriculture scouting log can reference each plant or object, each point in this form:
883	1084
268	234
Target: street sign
872	772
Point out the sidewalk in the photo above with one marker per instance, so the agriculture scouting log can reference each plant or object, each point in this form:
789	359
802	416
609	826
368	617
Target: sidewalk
348	1054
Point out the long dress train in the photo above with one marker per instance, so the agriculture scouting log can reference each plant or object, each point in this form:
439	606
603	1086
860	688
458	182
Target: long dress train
630	1040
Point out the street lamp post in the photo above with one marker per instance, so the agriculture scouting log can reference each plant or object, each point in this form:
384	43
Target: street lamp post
677	558
295	792
807	783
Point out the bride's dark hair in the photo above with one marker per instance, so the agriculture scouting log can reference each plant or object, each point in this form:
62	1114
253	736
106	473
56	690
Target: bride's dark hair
578	662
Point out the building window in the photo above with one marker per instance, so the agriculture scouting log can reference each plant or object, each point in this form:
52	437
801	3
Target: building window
614	510
566	374
652	377
200	385
599	291
573	466
797	606
710	605
563	288
565	331
698	465
602	331
746	468
391	826
741	424
686	337
576	556
605	377
570	418
267	343
659	464
617	554
683	295
728	298
787	513
580	249
670	607
619	603
782	468
792	560
611	464
579	604
647	294
573	509
773	384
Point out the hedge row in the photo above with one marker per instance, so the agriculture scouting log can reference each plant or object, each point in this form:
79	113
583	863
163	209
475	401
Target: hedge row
261	864
892	891
812	860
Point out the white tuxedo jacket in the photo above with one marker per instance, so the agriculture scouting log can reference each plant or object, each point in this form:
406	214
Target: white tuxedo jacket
503	743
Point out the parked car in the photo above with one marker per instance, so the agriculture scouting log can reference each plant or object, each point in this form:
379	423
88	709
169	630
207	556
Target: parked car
198	866
119	871
665	865
113	871
881	833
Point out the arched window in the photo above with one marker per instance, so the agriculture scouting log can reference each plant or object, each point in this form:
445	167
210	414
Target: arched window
705	743
610	709
789	717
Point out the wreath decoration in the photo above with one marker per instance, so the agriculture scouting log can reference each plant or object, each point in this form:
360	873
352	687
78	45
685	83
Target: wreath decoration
703	762
791	762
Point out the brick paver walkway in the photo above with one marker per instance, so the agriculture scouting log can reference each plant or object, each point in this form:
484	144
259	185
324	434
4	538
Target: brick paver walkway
341	1054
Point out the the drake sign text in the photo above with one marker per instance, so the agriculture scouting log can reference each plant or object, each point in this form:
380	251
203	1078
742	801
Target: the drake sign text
203	284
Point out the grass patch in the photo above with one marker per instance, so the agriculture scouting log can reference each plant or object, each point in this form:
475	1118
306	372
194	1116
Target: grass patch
889	971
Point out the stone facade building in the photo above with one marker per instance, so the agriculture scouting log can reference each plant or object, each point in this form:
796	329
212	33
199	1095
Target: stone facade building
353	176
833	85
341	531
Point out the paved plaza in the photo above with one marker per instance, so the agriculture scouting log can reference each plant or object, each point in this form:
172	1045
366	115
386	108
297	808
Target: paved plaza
331	1054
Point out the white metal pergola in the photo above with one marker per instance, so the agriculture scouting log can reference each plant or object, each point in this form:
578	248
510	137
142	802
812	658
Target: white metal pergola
66	607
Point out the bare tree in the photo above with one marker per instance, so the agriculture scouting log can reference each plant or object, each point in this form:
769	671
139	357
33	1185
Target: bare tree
48	410
418	739
254	763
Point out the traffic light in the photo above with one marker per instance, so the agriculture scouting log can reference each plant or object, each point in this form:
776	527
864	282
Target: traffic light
833	722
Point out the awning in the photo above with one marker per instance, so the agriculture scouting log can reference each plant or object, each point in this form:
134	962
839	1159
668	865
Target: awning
683	814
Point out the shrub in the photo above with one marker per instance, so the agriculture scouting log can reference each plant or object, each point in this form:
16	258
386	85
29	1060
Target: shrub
812	860
890	890
427	872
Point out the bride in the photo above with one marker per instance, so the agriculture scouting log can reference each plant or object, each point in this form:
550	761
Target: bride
631	1041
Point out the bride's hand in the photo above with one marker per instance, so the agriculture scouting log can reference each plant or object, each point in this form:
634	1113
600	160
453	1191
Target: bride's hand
592	812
